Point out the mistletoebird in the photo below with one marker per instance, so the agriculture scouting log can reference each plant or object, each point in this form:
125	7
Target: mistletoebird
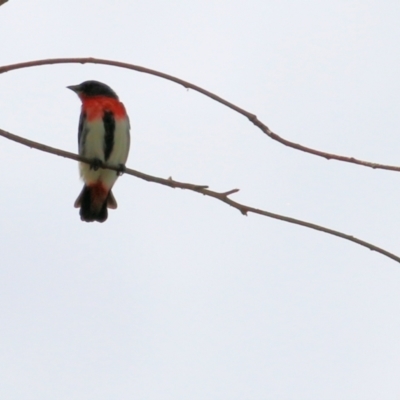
103	136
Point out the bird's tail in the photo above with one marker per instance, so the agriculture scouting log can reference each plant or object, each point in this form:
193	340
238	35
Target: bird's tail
93	202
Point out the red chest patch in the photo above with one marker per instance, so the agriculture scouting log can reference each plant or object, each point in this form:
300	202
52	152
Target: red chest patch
94	107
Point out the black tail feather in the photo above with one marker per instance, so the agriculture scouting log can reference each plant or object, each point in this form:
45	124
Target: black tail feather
89	211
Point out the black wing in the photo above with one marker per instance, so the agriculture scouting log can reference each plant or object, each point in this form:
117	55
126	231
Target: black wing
81	131
109	127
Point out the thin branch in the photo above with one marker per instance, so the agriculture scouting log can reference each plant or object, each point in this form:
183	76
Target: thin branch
3	2
203	189
251	117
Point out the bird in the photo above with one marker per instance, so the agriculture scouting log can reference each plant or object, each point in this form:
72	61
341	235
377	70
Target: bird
103	137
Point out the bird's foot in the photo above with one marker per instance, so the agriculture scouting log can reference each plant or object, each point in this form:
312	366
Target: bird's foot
96	164
121	169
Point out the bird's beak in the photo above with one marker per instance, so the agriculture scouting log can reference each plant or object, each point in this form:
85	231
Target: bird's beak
74	88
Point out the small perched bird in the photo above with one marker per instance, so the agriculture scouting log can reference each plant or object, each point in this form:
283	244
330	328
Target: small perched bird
103	136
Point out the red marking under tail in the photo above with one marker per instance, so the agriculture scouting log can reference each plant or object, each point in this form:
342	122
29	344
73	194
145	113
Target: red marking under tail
98	195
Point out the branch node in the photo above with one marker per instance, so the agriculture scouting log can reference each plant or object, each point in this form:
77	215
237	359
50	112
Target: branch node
253	118
173	184
244	211
229	192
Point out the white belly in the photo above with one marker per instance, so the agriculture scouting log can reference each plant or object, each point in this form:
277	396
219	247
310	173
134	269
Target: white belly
94	148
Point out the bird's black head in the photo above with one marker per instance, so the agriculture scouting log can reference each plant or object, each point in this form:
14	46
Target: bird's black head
93	88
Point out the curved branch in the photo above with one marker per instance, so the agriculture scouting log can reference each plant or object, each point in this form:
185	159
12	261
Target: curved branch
251	117
203	189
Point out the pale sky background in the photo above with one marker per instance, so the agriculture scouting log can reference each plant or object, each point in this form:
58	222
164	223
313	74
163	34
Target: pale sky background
178	296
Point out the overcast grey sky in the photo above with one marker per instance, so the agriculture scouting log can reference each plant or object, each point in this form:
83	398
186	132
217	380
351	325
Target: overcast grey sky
178	296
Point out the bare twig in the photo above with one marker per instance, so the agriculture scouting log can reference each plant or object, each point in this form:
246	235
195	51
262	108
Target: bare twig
2	2
251	117
203	189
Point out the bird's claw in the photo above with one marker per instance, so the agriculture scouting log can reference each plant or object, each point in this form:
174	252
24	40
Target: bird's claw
121	169
96	164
